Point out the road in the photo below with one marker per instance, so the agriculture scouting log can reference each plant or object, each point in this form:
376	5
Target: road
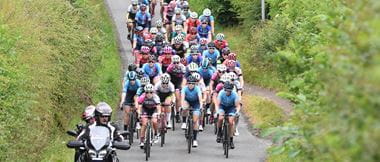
249	148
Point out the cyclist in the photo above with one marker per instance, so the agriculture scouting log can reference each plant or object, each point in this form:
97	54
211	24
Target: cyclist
192	21
231	67
159	44
225	52
212	53
177	31
161	30
138	38
165	90
239	90
166	58
208	18
202	45
128	96
204	31
179	47
228	103
192	37
143	18
194	57
131	14
176	70
191	96
202	86
149	103
186	9
143	57
178	18
220	42
206	71
152	69
168	16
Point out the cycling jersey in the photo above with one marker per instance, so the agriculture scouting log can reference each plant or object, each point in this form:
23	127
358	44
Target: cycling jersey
192	38
140	91
141	60
220	44
129	87
132	12
139	41
209	19
207	74
191	95
212	56
143	19
164	92
180	50
152	71
186	13
202	48
165	62
237	63
175	34
197	60
146	2
179	20
203	32
149	105
236	70
176	73
227	102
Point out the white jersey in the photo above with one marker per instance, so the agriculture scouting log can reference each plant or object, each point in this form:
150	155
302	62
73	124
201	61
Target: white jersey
159	88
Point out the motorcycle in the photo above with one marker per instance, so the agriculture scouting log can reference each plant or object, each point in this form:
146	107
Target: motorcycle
99	147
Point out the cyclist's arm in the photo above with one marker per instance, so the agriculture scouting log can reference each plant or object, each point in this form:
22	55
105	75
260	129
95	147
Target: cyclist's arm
183	96
241	81
237	104
217	102
123	94
185	26
200	96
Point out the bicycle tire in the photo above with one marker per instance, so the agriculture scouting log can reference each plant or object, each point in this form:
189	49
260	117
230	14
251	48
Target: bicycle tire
147	142
190	135
172	117
131	127
226	138
162	130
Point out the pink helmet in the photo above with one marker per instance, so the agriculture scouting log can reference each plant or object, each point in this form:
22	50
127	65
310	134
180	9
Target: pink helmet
203	41
231	63
232	56
145	49
172	4
167	49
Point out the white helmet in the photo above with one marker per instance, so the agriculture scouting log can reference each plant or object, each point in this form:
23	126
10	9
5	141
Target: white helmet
177	10
145	80
207	12
221	67
103	109
193	67
178	40
153	30
194	15
134	2
197	76
176	58
149	88
220	36
159	23
89	112
165	78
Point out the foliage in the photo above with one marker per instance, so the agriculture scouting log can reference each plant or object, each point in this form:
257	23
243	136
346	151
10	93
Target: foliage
55	56
222	10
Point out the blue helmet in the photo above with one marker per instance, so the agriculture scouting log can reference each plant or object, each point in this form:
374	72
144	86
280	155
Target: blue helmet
132	75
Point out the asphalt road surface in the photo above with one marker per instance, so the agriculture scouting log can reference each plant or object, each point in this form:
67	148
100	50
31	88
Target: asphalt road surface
248	148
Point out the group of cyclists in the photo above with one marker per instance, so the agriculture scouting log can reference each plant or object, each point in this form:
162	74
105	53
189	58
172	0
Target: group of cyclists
179	64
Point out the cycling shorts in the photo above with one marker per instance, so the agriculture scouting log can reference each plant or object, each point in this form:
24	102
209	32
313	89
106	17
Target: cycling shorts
129	98
196	107
177	83
164	96
147	112
230	110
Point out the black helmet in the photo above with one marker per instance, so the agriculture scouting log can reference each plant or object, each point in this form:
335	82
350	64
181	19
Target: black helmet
211	44
191	79
140	72
132	67
159	38
228	86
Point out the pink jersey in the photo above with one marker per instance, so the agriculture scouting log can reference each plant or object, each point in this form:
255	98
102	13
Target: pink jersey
219	87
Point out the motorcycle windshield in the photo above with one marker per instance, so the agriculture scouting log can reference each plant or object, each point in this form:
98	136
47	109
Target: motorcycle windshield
99	135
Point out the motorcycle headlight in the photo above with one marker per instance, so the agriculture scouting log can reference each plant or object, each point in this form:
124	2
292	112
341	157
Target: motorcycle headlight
92	153
102	153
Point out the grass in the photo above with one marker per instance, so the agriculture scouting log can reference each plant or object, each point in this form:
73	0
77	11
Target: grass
262	112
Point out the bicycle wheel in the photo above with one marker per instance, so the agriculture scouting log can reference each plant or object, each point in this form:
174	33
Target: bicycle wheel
172	117
190	135
226	138
147	141
131	127
162	130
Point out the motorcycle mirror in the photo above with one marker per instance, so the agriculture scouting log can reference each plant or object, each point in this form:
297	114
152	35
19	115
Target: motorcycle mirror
121	145
72	133
124	133
75	144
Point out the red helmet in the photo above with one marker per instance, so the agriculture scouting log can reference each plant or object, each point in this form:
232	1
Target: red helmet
183	61
193	30
203	41
167	49
231	63
145	49
232	56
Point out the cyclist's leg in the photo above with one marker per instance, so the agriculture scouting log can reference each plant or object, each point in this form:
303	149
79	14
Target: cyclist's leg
196	114
167	104
184	112
178	100
127	109
144	121
155	123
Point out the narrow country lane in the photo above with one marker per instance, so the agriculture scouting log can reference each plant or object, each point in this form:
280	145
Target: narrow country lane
248	147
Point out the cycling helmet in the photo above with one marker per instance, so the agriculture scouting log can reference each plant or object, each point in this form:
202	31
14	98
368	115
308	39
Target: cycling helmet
165	78
228	86
197	76
176	59
232	56
103	109
177	11
152	58
226	50
193	48
172	4
231	63
194	15
178	27
149	88
177	40
132	67
193	67
221	67
185	5
135	2
89	112
167	49
153	30
145	80
149	42
203	41
132	75
142	6
205	63
181	36
140	73
207	12
211	45
145	49
159	23
233	76
220	36
193	30
159	37
139	28
191	79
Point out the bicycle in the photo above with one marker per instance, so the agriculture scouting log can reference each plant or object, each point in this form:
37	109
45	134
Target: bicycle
148	138
226	135
162	128
132	124
172	116
189	131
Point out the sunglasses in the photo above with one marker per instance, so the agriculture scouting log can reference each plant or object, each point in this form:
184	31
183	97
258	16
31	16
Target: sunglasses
175	62
191	83
150	92
211	48
204	23
132	79
151	61
104	116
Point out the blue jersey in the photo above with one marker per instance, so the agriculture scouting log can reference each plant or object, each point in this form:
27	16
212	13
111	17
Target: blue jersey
152	71
129	87
143	18
209	19
202	48
213	56
140	91
203	32
191	95
190	59
228	101
206	73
